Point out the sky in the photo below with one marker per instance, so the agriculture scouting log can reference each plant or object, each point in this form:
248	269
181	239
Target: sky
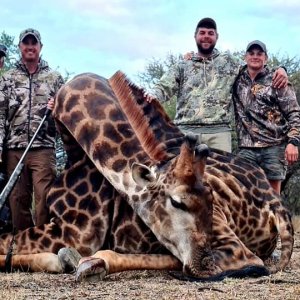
104	36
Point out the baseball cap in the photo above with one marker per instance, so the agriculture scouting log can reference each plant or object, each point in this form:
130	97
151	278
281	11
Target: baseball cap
257	43
207	23
30	31
3	50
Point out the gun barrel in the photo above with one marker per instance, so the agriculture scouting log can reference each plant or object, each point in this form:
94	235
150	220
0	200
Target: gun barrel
10	184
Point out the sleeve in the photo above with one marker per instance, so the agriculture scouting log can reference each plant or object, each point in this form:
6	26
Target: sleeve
3	112
291	110
168	86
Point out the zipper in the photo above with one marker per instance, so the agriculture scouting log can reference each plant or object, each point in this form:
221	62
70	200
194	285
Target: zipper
29	107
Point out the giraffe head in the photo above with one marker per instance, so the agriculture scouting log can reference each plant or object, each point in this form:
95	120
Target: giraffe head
179	207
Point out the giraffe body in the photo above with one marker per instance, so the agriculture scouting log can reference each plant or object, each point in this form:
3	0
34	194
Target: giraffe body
135	186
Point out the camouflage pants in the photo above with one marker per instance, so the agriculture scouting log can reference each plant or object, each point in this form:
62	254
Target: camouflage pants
36	178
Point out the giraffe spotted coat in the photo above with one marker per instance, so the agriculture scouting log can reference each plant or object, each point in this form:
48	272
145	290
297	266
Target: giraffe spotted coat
134	185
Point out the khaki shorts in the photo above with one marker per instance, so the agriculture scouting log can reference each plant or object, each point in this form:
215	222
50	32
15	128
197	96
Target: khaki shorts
217	140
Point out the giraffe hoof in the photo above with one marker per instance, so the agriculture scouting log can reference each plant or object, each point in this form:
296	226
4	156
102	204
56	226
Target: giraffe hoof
69	259
91	270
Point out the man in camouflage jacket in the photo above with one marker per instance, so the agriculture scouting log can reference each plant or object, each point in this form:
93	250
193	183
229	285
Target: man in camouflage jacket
267	119
202	84
25	92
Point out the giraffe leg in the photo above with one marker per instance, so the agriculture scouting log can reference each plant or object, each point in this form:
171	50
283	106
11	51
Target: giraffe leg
106	262
39	262
229	252
232	255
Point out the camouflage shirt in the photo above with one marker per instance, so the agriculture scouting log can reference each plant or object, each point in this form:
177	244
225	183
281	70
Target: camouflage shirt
202	87
264	116
23	100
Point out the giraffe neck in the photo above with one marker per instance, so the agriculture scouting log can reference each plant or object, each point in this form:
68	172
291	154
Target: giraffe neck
115	126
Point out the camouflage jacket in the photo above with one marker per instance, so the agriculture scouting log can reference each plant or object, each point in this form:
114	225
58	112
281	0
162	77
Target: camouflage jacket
202	87
264	116
23	100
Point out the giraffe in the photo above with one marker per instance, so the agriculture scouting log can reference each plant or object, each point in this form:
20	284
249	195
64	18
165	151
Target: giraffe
129	188
72	224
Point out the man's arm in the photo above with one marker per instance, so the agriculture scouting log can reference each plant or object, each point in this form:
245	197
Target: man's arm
280	78
166	87
3	114
289	106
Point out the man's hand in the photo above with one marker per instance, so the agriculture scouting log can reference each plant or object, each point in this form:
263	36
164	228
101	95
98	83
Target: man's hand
291	153
150	98
188	56
280	79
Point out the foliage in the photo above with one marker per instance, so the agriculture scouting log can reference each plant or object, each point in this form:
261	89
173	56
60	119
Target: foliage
292	66
68	75
155	69
291	189
12	51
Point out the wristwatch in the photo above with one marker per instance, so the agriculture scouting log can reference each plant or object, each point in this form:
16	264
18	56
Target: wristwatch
294	142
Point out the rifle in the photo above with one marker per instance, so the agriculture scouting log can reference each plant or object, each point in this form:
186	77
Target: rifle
5	217
16	173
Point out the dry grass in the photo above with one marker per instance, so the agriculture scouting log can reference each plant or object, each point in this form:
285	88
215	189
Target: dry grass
155	285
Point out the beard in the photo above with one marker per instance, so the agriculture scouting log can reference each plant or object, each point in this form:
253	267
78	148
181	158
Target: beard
205	51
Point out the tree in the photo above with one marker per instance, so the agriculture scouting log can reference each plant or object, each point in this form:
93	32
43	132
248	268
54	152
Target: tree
12	51
292	66
154	70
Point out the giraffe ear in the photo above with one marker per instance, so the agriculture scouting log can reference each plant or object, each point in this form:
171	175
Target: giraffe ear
142	175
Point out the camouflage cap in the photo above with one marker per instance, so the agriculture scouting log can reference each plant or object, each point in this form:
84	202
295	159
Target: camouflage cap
3	50
258	43
30	31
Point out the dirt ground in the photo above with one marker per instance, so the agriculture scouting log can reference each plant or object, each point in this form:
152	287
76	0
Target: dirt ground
153	285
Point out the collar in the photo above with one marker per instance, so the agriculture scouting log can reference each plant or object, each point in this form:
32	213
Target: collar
213	55
42	64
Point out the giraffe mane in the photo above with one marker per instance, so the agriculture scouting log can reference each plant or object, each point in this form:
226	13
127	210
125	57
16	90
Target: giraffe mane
133	102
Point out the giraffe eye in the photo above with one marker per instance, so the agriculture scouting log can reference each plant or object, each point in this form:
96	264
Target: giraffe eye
178	205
